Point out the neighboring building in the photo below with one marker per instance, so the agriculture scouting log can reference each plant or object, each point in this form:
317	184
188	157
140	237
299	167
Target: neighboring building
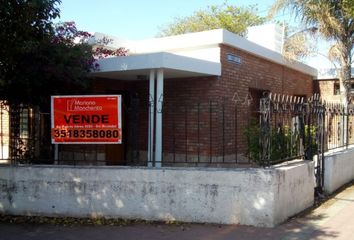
19	133
327	85
4	132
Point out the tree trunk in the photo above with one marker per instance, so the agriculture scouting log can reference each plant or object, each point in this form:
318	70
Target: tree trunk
345	86
345	75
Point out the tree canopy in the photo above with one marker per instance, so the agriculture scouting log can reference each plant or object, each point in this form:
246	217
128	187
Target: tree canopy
232	18
299	43
38	58
333	20
25	26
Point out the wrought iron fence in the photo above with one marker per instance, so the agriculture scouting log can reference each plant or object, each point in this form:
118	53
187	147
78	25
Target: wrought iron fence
25	134
207	133
293	127
219	132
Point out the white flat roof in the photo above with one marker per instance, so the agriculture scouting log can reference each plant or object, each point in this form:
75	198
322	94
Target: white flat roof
175	66
206	39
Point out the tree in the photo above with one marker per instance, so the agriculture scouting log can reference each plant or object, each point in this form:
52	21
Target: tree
24	26
334	21
298	44
39	59
232	18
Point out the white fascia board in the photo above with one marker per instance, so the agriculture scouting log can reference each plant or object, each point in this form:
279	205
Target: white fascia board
206	39
197	40
209	39
159	60
114	42
179	42
127	63
236	41
172	61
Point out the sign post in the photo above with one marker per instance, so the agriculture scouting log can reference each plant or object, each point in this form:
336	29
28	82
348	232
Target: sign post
86	119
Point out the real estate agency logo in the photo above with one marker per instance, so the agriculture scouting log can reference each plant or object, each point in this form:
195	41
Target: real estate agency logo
76	104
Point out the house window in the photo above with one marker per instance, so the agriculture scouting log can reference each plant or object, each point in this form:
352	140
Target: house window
25	116
336	89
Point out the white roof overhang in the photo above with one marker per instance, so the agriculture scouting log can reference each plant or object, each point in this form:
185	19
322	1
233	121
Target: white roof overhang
209	39
138	67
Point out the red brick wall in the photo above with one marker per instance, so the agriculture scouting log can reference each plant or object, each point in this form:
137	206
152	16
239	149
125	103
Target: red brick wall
258	73
184	98
326	89
183	95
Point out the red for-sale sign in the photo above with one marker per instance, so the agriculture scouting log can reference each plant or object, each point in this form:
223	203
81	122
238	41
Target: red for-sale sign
86	119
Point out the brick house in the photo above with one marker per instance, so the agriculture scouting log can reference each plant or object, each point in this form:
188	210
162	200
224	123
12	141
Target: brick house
339	129
327	85
189	98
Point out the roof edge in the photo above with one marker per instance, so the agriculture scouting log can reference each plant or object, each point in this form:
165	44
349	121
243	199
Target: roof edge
204	39
159	60
241	43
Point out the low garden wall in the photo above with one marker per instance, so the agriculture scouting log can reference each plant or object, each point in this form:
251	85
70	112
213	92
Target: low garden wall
338	169
255	196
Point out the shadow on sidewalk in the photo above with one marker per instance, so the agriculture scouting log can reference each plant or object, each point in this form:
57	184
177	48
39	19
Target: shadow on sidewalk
296	229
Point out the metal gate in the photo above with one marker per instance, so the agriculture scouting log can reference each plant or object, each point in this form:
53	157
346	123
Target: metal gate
292	128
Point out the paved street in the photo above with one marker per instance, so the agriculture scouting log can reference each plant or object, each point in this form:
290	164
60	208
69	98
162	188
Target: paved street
332	220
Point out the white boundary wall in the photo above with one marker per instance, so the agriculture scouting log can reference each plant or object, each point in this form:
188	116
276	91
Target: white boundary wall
338	169
259	197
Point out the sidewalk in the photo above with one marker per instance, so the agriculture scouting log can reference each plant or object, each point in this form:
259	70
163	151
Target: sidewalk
332	220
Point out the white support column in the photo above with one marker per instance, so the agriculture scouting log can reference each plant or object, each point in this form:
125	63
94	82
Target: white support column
159	104
151	118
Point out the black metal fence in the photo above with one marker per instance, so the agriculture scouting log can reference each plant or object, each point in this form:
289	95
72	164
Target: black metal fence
25	134
292	127
208	133
218	132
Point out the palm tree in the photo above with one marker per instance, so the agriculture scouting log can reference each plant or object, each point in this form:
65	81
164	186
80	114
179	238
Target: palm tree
334	21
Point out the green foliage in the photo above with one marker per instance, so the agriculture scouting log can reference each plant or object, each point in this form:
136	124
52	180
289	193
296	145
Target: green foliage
252	135
299	43
39	59
333	20
27	54
24	25
285	143
310	141
232	18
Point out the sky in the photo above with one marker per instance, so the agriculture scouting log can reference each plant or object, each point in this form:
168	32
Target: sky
137	19
141	19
